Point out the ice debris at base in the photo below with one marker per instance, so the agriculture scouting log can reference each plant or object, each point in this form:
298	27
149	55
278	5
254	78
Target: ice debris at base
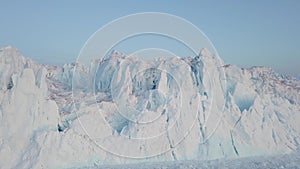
184	108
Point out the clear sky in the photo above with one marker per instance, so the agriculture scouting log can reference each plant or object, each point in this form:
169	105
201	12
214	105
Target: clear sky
245	33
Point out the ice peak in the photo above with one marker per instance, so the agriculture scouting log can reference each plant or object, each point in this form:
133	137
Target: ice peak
10	50
205	52
11	55
115	53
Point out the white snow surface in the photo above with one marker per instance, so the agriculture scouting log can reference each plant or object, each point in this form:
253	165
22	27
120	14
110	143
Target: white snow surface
282	161
127	110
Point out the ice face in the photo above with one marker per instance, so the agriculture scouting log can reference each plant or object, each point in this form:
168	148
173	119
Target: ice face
124	109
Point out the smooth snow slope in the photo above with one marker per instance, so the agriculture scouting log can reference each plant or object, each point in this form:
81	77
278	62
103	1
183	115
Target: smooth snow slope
128	110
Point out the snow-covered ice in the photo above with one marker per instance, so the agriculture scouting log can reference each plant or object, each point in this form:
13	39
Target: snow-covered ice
128	110
285	161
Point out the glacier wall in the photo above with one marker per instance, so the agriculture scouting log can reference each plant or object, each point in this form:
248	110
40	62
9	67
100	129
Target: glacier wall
124	110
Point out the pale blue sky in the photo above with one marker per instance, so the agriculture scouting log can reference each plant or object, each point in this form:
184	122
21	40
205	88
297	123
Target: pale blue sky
245	33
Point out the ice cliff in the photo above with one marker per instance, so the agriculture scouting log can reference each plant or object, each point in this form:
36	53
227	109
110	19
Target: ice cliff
125	109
